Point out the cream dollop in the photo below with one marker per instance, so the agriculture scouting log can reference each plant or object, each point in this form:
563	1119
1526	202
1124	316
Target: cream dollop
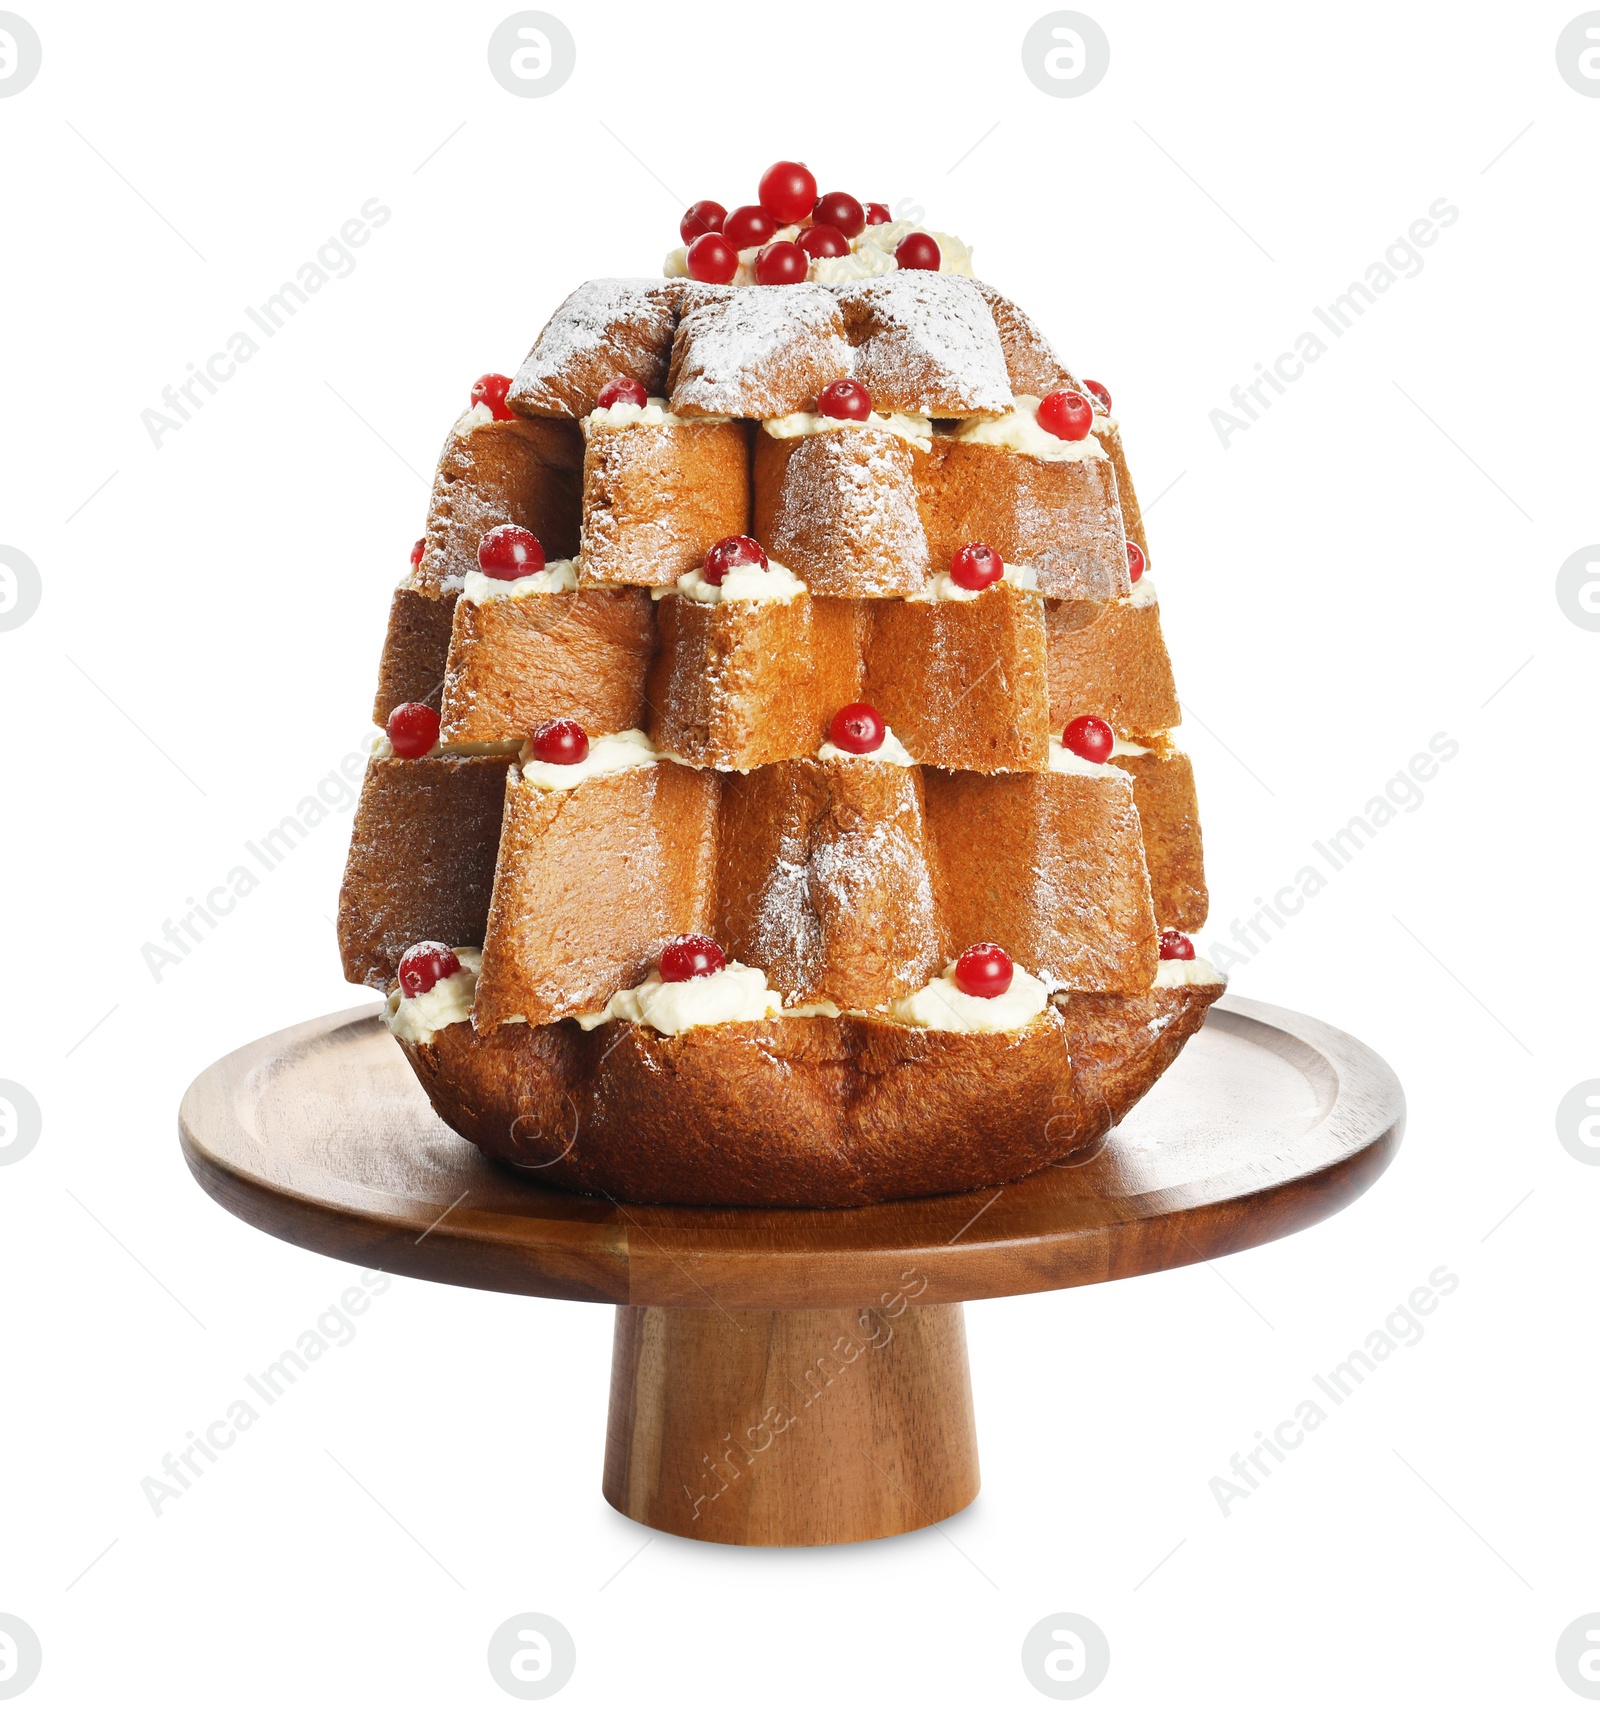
955	257
942	1005
447	1001
1187	972
943	587
1064	760
742	583
917	429
1126	746
615	752
559	577
1019	431
1143	593
890	751
474	418
653	413
736	993
863	262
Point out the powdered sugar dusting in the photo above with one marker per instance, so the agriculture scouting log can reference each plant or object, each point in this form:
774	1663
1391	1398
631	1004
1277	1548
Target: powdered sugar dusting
758	351
605	327
847	518
927	343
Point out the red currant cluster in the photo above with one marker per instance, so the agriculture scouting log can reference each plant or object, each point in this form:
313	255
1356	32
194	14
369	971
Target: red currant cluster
787	196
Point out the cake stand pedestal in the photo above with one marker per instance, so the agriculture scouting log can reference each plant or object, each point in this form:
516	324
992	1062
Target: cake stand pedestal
793	1378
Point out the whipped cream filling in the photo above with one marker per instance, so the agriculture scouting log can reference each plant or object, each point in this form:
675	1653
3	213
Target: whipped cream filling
1126	746
943	587
653	413
742	583
917	429
446	1002
614	752
942	1005
863	262
734	994
891	751
1019	431
476	417
1144	593
1064	760
955	257
1186	972
383	750
559	577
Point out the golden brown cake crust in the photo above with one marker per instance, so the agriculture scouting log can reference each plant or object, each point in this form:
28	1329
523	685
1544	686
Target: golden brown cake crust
823	881
518	661
1108	658
605	329
422	859
840	510
743	683
1163	787
655	498
1061	518
1051	866
759	351
591	883
926	344
526	473
416	647
1031	364
962	683
802	1112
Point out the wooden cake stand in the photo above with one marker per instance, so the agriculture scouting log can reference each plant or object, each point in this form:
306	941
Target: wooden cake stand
793	1378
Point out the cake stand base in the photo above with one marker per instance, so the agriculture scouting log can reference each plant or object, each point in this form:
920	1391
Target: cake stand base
797	1428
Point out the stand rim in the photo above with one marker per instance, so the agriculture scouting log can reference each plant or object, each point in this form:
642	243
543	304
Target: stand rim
1055	1230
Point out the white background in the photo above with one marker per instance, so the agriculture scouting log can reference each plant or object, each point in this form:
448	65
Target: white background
1364	568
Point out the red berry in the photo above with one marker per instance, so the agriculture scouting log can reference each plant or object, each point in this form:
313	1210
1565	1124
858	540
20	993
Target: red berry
491	390
918	250
732	550
1066	415
508	551
712	260
858	729
1090	737
783	263
1135	562
748	225
1099	392
976	566
563	743
819	241
690	955
1176	945
425	966
621	390
700	218
788	191
984	970
846	400
839	209
413	729
878	214
416	550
